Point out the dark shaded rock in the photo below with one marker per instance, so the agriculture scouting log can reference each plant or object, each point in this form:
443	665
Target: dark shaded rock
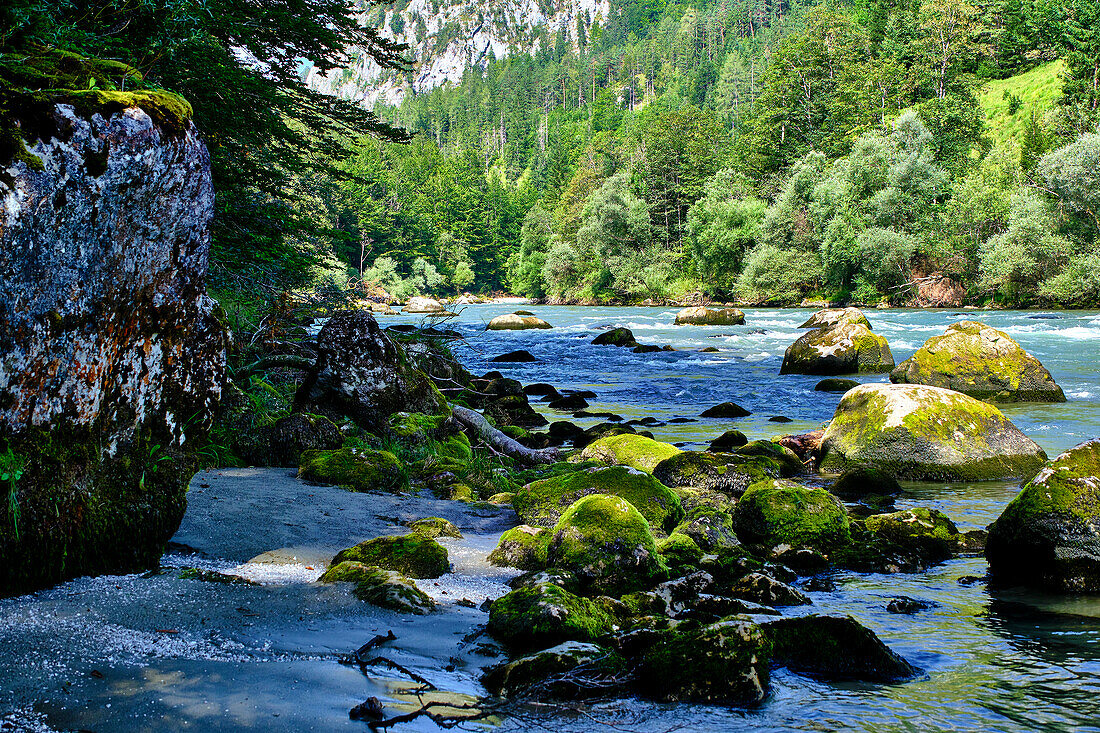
681	420
571	670
290	436
779	418
541	389
616	337
760	588
569	402
834	384
728	441
646	349
726	409
907	605
834	648
565	430
521	356
602	430
861	481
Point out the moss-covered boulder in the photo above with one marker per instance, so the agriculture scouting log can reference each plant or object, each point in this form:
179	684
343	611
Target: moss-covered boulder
358	469
570	670
848	348
779	512
919	432
725	472
383	588
708	527
541	503
413	555
829	317
522	547
980	361
434	527
542	615
607	543
1049	535
515	322
635	451
834	648
725	662
291	436
702	316
789	462
678	550
623	337
862	481
927	533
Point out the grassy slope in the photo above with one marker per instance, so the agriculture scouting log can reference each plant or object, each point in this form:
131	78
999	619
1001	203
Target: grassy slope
1038	89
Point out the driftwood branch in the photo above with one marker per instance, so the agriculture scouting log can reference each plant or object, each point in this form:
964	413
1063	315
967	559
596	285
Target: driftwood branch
500	442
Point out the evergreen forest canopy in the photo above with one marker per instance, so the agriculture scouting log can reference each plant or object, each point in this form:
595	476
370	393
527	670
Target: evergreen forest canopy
744	148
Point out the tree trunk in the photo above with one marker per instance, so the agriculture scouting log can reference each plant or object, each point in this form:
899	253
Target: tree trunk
501	442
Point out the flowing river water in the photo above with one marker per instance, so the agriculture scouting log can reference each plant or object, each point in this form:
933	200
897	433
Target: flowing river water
157	652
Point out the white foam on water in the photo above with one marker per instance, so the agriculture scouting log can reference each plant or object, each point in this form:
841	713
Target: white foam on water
1081	394
759	356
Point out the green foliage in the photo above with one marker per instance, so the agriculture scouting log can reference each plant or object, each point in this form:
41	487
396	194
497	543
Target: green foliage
12	466
1014	262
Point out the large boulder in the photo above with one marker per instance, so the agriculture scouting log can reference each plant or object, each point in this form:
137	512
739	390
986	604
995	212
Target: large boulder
112	360
1049	535
982	362
290	436
829	317
541	503
522	547
835	648
636	451
725	472
616	337
607	543
702	316
514	322
925	533
361	373
540	615
420	304
847	348
918	432
778	512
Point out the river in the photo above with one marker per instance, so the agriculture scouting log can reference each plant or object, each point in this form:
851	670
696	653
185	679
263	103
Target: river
157	652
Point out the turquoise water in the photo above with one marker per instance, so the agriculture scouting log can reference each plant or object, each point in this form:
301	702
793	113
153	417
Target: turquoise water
158	653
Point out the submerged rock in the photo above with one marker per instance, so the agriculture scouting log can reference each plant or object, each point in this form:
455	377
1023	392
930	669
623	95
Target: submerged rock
570	670
383	588
847	348
522	547
616	337
358	469
543	615
918	432
834	648
829	317
835	384
413	555
515	357
1049	535
982	362
635	451
701	316
780	512
541	503
515	322
728	441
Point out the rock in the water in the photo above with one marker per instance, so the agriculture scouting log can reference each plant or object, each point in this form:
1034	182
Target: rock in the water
725	472
710	528
544	614
635	451
980	361
616	337
848	348
763	589
568	402
726	662
515	357
834	648
413	555
541	503
358	469
784	513
907	605
835	384
571	670
728	441
927	533
829	317
607	543
861	481
804	445
522	547
361	373
513	322
726	409
112	361
701	316
420	304
293	435
918	432
789	462
435	527
383	588
1049	535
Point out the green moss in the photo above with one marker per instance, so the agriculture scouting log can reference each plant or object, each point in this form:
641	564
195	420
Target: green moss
724	472
379	587
359	469
929	532
522	547
541	503
679	550
504	497
635	451
710	528
545	614
211	576
415	425
781	512
1066	485
788	461
435	527
413	555
515	431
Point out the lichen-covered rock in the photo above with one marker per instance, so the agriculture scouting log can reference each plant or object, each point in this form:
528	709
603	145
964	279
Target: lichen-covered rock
829	317
513	322
383	588
928	533
543	615
725	662
616	337
435	527
725	472
1049	535
848	348
291	436
780	512
702	316
607	543
789	462
112	361
522	547
860	481
413	555
358	469
766	590
541	503
980	361
420	304
635	451
570	670
834	648
919	432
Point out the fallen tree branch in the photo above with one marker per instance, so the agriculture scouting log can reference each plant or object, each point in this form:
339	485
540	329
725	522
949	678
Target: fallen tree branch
501	442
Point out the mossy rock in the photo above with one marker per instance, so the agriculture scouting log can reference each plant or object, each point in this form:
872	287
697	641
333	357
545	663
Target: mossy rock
1049	534
778	512
928	533
711	529
829	317
726	662
434	527
515	322
541	503
728	442
848	348
982	362
455	448
766	590
293	435
680	551
358	469
543	615
380	587
918	432
725	472
834	648
788	461
515	432
608	544
635	451
861	481
413	555
702	316
504	497
571	670
616	337
522	547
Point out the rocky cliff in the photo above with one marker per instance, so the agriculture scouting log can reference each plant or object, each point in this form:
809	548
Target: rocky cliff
111	358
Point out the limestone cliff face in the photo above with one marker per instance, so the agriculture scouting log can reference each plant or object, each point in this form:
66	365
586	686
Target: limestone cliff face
111	358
